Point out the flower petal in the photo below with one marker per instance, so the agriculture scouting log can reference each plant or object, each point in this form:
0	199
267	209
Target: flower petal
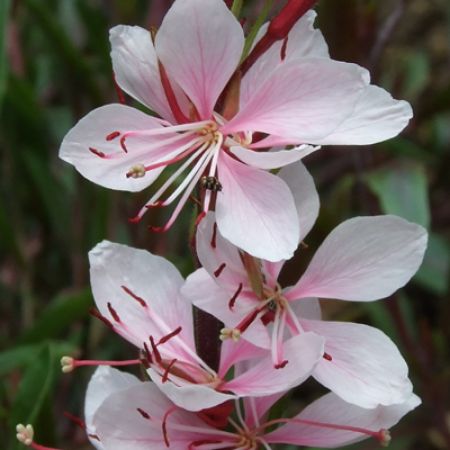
152	278
105	382
135	66
200	44
333	410
365	258
376	118
366	367
92	131
271	159
306	198
193	397
299	100
258	201
302	353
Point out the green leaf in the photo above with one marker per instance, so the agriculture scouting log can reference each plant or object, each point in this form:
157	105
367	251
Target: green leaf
434	271
33	400
4	14
402	190
58	316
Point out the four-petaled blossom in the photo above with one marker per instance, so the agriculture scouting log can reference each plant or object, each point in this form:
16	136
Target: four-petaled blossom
137	294
363	259
217	128
127	414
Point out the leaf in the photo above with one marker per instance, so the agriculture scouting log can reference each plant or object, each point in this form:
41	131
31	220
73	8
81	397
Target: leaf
402	190
434	271
58	316
4	14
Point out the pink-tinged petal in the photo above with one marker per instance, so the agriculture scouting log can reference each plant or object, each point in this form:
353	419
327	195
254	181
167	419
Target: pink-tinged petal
151	278
214	251
306	198
257	407
365	258
192	397
135	66
366	368
376	118
303	100
333	410
271	159
202	291
89	136
120	425
104	383
307	308
200	44
255	211
303	41
302	353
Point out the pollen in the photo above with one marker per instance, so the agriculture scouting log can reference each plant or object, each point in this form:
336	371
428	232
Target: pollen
136	171
385	438
25	434
230	333
67	364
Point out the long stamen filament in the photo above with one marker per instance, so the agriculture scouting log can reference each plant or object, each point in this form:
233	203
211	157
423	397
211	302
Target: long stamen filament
68	364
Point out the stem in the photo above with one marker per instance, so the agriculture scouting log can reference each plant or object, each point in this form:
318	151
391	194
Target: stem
236	8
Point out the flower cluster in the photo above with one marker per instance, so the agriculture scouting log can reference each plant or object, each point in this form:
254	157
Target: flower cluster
225	120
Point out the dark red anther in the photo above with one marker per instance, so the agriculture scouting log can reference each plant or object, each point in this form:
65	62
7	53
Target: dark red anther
113	135
143	413
268	317
164	425
233	299
284	48
156	229
169	336
119	91
95	313
247	321
97	152
113	313
200	217
140	300
327	356
171	98
219	270
147	353
135	219
155	350
122	143
76	420
214	236
281	364
165	377
217	416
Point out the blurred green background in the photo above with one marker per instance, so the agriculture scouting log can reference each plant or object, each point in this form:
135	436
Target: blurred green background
55	67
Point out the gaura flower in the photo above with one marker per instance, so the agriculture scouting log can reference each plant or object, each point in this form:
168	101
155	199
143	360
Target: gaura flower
137	295
188	74
363	259
134	417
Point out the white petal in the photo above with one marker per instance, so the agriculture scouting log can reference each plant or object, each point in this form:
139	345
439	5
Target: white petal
136	67
365	258
200	44
333	410
150	277
376	118
366	367
255	211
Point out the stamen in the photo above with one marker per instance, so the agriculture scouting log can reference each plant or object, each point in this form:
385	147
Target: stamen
214	236
327	356
95	313
147	353
113	313
200	217
113	135
68	364
219	270
97	152
164	339
25	435
143	413
164	425
76	420
156	353
165	376
233	299
119	92
140	300
284	48
281	365
136	171
230	333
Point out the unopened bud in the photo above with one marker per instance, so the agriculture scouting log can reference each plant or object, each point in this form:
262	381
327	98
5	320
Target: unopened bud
25	434
67	364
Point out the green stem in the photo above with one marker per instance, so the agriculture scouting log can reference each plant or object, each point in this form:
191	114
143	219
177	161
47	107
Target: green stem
237	7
